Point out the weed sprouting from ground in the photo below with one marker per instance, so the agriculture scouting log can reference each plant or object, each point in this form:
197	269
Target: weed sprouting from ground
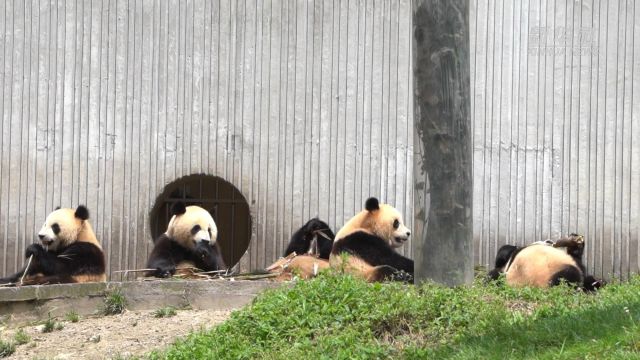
21	337
49	325
167	311
7	348
72	316
114	303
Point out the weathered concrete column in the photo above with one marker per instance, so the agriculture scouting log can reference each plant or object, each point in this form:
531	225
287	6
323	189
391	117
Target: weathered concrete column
443	246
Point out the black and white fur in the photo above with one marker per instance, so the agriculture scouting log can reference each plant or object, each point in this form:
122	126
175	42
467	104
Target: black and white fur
190	240
68	252
369	240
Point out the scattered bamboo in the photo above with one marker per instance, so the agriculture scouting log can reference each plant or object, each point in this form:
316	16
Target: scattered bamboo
282	262
133	271
124	273
254	276
194	273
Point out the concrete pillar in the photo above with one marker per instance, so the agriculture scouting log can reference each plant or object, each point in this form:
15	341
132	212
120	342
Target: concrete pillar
443	243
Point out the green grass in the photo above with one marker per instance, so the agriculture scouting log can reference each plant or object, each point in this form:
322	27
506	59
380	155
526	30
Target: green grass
7	348
72	316
21	337
338	317
49	325
114	303
167	311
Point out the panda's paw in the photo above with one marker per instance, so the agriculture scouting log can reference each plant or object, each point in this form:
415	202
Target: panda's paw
203	250
403	276
35	250
165	271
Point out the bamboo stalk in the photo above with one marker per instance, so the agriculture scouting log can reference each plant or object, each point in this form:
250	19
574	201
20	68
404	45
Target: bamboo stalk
26	269
133	271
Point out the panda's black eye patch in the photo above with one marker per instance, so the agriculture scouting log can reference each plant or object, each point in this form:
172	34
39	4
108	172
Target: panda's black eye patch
56	228
396	224
195	229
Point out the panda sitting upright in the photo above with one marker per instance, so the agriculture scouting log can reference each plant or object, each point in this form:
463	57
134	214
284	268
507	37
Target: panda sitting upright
190	240
369	239
68	253
545	264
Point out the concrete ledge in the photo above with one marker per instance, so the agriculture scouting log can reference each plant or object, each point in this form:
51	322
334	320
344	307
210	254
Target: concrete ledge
32	303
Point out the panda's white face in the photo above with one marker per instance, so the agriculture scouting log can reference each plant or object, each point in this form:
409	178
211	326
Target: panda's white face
60	228
387	223
193	227
401	235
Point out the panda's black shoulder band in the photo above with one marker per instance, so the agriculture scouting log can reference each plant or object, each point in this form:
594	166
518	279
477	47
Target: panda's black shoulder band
178	208
372	204
82	212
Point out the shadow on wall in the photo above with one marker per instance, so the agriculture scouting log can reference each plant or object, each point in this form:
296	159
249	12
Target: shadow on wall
220	198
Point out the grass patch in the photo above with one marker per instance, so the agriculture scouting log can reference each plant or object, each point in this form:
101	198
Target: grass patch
72	316
164	312
114	303
7	348
51	324
343	317
21	337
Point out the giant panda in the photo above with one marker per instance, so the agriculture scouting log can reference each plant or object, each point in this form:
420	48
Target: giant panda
314	238
312	245
68	252
369	240
545	264
190	240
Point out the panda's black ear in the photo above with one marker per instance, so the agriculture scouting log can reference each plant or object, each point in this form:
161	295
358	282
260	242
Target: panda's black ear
178	208
57	208
82	212
372	204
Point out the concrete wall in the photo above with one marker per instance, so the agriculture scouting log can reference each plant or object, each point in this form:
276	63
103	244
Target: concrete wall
554	89
303	105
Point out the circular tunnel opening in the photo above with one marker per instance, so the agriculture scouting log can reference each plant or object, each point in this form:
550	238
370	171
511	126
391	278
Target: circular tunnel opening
221	199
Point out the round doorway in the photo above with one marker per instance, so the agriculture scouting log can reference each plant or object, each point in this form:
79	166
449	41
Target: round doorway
221	199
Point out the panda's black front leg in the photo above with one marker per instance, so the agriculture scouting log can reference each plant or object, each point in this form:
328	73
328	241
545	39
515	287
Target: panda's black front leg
163	268
163	258
43	261
12	279
34	266
207	257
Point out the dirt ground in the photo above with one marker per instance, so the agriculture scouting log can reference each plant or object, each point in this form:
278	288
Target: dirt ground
132	333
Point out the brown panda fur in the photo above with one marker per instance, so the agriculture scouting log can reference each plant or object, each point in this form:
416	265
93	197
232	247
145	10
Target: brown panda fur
301	266
545	264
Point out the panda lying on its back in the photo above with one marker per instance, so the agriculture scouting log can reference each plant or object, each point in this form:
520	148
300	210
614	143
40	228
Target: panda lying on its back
69	251
312	245
369	239
544	265
190	240
302	241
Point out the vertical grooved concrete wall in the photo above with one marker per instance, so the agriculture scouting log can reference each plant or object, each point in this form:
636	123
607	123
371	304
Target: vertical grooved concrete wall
305	106
554	102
